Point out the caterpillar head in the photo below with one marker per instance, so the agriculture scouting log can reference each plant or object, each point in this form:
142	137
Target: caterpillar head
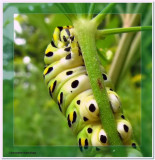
124	129
66	35
56	38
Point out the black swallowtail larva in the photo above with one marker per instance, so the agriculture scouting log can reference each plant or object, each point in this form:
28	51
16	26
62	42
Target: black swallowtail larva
68	83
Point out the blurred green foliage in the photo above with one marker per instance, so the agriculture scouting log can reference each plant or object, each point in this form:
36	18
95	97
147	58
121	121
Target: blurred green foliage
42	115
36	118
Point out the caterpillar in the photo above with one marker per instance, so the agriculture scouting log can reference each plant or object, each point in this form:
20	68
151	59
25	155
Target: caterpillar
68	83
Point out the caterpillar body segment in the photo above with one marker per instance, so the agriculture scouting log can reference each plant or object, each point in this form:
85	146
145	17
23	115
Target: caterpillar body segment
73	87
92	135
56	84
69	86
52	55
89	109
124	129
114	100
75	106
68	62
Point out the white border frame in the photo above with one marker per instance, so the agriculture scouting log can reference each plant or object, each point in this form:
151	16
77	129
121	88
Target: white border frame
71	1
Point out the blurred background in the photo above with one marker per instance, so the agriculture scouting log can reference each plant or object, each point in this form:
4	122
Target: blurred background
37	120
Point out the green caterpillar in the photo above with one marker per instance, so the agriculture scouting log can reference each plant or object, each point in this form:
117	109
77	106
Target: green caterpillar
68	83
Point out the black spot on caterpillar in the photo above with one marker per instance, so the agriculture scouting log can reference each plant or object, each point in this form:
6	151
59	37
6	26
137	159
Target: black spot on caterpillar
69	73
133	145
68	56
75	84
78	102
49	54
89	130
67	49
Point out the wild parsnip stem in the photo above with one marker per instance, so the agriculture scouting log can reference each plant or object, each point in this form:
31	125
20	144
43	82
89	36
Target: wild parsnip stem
85	32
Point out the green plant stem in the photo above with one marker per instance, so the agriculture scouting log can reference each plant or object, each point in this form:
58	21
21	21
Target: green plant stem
91	9
132	56
122	51
99	18
102	33
85	33
119	58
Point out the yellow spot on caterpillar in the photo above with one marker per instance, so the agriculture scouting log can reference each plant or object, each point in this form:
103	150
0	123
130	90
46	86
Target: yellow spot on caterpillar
71	116
74	47
55	37
51	87
67	27
70	27
46	70
50	49
82	141
59	98
56	31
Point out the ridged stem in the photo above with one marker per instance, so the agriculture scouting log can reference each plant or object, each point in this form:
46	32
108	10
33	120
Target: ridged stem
85	32
102	33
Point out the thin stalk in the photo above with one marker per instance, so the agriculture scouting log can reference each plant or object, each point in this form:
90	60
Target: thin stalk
91	9
102	33
85	33
121	53
119	58
132	56
100	17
